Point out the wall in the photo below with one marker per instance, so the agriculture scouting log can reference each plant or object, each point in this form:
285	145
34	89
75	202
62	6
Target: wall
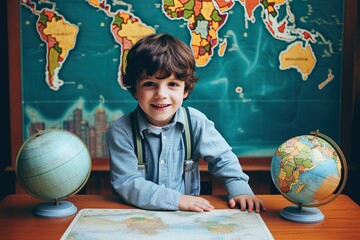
352	187
351	107
6	179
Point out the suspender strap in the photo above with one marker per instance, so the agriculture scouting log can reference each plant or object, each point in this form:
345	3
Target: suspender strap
139	146
188	142
187	134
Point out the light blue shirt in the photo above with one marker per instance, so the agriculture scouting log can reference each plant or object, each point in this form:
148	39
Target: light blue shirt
164	152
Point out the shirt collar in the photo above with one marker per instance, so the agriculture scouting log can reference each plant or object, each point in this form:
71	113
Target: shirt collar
179	118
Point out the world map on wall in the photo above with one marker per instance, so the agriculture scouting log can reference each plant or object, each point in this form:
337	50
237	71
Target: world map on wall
269	69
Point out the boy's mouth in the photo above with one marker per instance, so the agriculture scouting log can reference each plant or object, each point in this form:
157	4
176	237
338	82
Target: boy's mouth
160	105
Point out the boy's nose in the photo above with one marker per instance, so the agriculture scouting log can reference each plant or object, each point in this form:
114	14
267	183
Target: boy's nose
161	92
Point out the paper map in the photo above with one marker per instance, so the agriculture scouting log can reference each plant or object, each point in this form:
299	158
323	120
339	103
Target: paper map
143	224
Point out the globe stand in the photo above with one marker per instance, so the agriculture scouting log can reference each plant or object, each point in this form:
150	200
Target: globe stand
55	209
302	214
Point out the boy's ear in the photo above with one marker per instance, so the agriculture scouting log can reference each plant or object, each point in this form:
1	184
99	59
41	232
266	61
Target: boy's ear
186	94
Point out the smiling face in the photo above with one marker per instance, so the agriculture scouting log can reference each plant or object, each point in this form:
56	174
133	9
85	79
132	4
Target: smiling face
160	98
159	55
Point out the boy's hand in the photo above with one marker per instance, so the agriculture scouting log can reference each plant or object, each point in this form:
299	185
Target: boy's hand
195	204
248	202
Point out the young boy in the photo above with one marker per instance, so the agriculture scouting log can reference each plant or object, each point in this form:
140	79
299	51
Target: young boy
160	75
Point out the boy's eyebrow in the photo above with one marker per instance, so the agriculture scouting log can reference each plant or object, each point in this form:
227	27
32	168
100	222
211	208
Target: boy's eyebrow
175	79
171	78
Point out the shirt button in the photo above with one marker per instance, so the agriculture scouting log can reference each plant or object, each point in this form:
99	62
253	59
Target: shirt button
163	185
164	137
162	161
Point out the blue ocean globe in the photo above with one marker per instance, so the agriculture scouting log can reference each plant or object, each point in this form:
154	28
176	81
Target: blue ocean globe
53	165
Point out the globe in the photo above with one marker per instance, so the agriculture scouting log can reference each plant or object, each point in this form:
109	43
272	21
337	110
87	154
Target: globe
53	165
309	171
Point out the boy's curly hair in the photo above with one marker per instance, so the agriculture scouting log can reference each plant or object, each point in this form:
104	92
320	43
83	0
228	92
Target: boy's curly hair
159	55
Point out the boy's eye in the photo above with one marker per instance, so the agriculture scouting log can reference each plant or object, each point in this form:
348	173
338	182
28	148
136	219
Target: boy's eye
148	84
173	84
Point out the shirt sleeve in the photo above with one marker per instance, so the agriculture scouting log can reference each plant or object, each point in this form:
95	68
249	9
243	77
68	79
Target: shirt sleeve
222	162
126	180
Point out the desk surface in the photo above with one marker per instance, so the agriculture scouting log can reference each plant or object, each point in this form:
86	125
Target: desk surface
342	217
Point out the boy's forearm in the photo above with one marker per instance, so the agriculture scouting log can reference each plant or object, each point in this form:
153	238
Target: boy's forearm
228	169
148	195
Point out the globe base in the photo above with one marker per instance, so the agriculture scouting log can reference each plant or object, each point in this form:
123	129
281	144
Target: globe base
55	210
302	214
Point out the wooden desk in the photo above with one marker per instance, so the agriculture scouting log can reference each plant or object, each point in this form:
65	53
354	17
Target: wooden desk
342	217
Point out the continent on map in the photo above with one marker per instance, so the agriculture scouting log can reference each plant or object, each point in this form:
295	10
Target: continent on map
295	162
126	28
204	21
59	36
217	228
301	58
145	225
